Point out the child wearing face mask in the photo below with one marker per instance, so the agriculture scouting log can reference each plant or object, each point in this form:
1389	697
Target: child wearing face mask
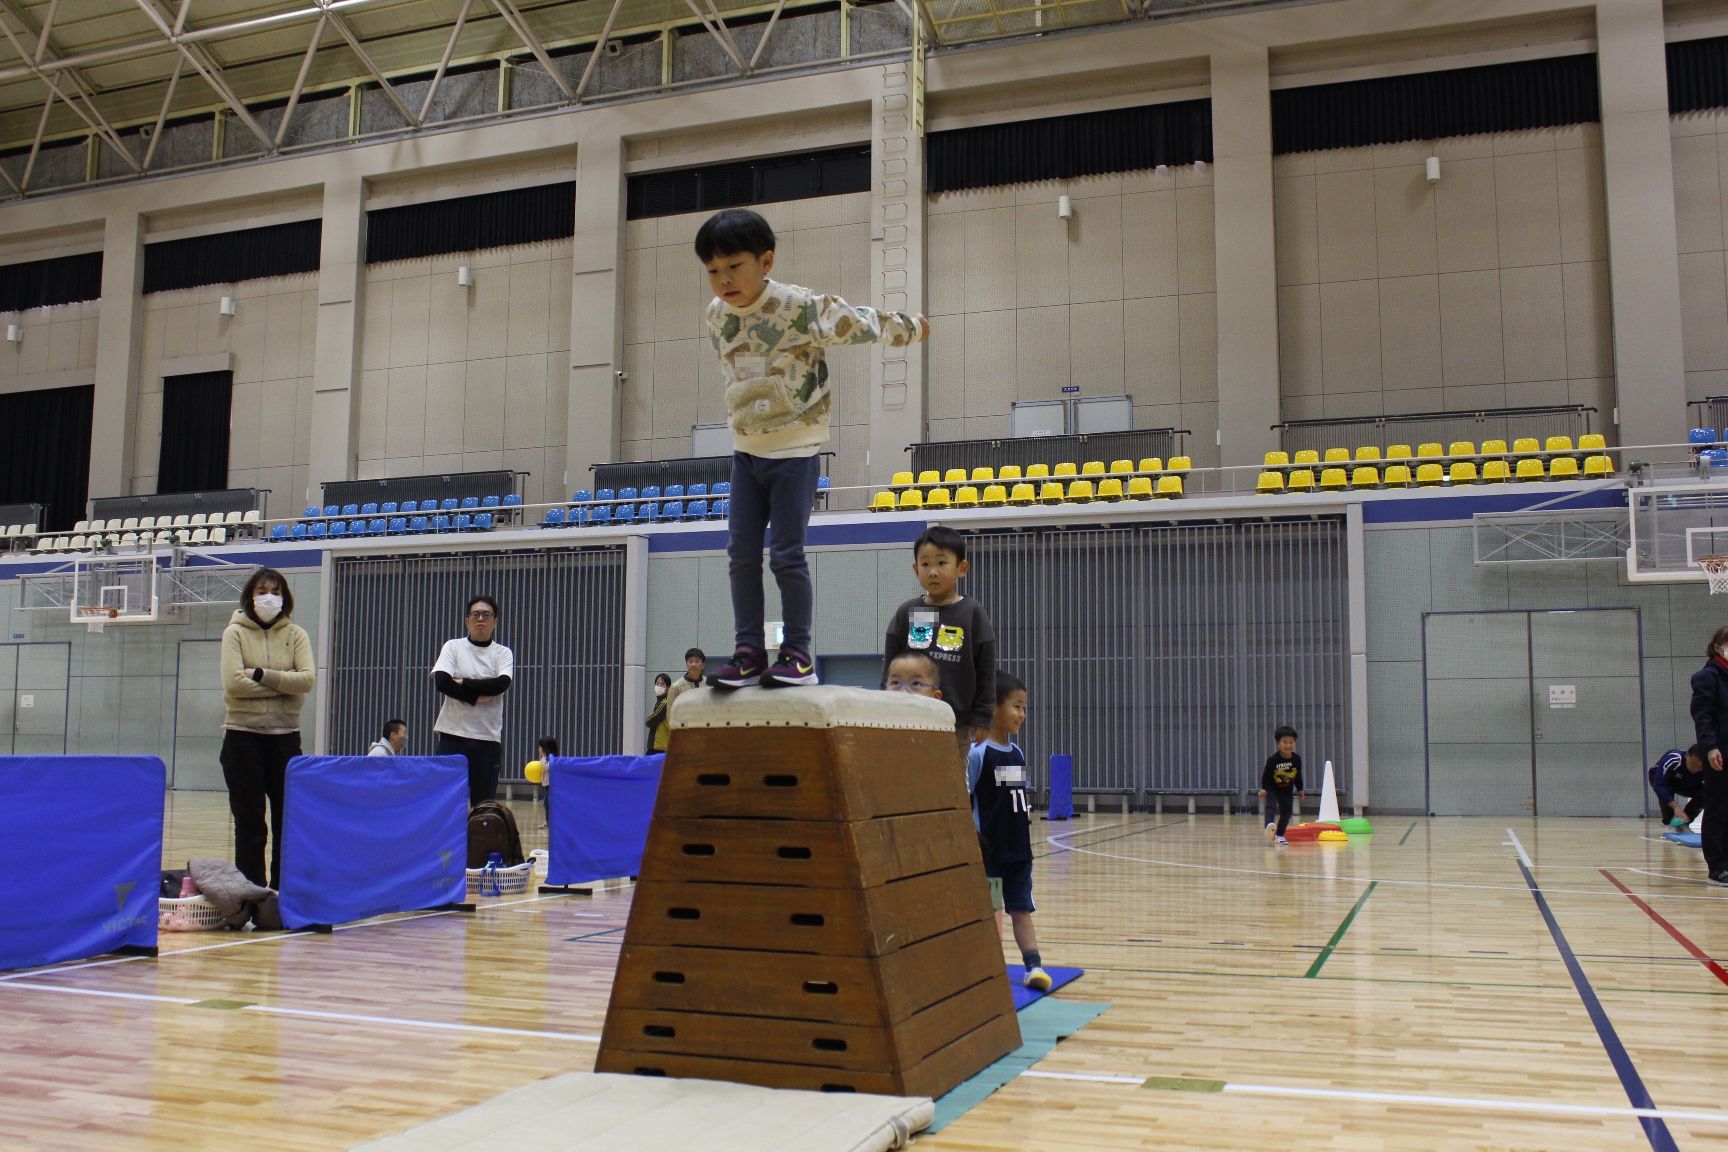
266	669
659	730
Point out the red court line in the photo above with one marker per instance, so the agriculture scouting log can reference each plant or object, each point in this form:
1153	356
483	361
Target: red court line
1698	953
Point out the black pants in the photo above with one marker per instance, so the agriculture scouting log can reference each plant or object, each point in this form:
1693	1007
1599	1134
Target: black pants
1715	831
255	767
484	758
1283	801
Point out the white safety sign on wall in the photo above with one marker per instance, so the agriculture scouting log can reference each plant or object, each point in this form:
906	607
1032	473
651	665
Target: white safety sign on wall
1562	695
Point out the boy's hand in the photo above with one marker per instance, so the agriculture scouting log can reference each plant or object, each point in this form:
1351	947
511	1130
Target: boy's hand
925	321
1261	793
979	735
1716	759
1301	795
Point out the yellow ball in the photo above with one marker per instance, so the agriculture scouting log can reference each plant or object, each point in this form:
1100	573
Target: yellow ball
535	771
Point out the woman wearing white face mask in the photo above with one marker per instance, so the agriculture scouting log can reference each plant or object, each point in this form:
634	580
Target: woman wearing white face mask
659	732
266	675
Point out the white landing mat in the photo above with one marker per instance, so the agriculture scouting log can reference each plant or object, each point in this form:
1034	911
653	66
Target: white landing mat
596	1112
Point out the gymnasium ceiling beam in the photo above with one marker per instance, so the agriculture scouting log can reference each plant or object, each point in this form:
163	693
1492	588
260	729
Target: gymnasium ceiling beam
212	74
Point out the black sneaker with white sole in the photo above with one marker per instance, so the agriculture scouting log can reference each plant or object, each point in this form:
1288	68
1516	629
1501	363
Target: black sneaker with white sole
745	667
1720	879
794	669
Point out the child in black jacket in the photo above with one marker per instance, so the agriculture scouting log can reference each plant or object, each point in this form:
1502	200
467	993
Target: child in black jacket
1281	777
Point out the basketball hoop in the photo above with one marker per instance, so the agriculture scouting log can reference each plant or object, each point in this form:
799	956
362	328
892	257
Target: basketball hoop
1716	571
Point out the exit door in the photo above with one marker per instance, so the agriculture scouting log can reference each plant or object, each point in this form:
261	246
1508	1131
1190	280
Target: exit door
1534	713
35	679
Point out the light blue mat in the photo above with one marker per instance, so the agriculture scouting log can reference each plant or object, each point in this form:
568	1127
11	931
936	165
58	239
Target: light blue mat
1042	1024
1689	839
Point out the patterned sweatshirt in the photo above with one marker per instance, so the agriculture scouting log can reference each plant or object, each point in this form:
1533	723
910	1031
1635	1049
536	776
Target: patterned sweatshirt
777	394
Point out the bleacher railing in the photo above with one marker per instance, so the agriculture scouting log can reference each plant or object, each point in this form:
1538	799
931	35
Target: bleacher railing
178	504
449	486
1139	444
1440	427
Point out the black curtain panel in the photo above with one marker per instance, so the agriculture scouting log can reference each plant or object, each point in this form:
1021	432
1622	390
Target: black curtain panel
1698	74
45	452
470	223
45	283
832	172
1063	147
1432	105
195	411
230	257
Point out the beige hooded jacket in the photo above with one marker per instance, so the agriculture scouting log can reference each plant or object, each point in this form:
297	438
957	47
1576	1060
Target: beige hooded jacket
284	652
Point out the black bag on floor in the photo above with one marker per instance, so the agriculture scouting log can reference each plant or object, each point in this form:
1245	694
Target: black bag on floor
492	828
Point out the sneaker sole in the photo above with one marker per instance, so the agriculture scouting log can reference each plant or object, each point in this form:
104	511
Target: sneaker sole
731	685
774	680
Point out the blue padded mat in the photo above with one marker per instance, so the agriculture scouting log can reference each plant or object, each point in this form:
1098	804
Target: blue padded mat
1042	1024
1689	839
1024	996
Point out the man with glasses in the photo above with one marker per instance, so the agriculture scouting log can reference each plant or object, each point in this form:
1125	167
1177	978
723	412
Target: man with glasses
473	672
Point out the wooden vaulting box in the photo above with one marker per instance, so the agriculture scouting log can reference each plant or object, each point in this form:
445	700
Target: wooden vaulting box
812	910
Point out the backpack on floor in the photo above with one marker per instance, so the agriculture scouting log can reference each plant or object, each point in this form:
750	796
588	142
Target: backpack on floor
492	828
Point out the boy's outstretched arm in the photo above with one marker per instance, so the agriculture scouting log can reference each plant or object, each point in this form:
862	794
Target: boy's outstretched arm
833	323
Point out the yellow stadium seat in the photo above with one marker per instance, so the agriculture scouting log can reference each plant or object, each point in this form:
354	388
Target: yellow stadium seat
983	474
1066	470
901	480
930	476
1558	444
1526	444
1150	464
954	476
1037	471
1496	471
1092	468
1023	494
912	498
967	497
1429	451
938	498
1333	478
1140	488
1050	492
882	502
1180	464
1563	468
1110	488
1461	448
995	494
1529	468
1463	472
1277	459
1008	472
1270	482
1368	454
1169	487
1398	452
1397	476
1306	456
1337	455
1592	442
1493	447
1365	476
1301	480
1081	491
1121	467
1598	466
1429	474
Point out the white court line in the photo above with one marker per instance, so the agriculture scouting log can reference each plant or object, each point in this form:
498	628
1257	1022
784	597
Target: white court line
1518	844
400	1022
103	993
1088	1076
50	971
1479	1103
1667	875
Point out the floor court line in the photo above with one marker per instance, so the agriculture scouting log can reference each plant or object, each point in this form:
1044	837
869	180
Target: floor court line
1680	937
1332	944
1661	1140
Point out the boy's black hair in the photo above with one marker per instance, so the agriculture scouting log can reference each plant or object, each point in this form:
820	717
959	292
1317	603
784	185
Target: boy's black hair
1699	752
548	745
914	654
731	232
1284	730
697	653
486	600
944	538
1007	684
391	727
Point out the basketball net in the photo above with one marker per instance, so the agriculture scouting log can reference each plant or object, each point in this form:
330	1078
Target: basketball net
1716	571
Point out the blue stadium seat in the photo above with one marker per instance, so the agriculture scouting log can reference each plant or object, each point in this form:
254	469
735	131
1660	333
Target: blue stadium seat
370	509
441	522
697	510
299	532
376	526
350	509
314	511
672	509
418	524
388	508
628	494
332	510
605	495
512	501
320	530
722	506
409	507
724	488
279	532
554	518
581	496
674	491
483	522
449	505
337	529
649	511
489	502
357	528
1701	436
652	492
398	525
823	483
464	522
626	514
469	502
697	490
600	514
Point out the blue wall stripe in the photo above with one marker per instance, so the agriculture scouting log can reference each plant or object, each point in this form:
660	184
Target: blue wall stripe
1416	510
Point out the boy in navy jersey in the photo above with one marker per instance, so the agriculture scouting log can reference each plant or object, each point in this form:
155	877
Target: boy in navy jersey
996	777
1281	778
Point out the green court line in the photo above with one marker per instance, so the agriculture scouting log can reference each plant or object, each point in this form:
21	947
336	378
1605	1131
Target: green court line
1228	974
1182	1084
221	1005
1407	832
1326	953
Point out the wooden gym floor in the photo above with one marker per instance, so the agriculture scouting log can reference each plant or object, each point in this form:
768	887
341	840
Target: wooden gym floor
1408	992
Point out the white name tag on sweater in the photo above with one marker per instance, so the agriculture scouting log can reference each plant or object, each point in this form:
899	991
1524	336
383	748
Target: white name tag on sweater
1011	775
